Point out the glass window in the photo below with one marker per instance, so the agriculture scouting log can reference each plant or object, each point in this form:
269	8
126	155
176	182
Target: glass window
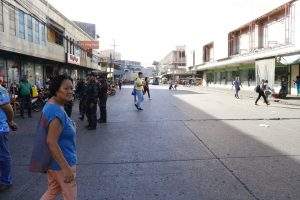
29	28
77	51
1	17
43	33
12	21
39	76
223	77
244	76
251	77
71	47
21	24
280	73
28	70
13	72
36	31
2	69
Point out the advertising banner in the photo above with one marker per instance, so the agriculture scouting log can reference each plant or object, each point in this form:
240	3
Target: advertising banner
89	44
72	59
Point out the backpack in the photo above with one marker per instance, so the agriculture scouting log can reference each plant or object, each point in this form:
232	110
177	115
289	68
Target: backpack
257	88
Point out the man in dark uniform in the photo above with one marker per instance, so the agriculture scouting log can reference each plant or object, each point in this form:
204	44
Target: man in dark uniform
81	94
91	102
103	87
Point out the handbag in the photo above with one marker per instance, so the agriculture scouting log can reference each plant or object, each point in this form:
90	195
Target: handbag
41	156
133	92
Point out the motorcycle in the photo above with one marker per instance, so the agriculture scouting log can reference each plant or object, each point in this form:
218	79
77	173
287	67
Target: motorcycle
111	91
38	102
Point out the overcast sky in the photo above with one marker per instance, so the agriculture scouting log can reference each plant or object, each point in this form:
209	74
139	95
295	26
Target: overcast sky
146	30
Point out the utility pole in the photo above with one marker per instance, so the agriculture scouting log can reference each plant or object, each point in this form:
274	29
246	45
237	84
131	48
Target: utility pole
113	59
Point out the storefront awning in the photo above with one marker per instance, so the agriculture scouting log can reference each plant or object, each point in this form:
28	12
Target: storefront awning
289	60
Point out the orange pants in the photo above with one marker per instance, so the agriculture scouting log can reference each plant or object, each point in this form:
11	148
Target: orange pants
56	185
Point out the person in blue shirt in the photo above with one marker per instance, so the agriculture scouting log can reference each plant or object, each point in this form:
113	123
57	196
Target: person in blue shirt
237	86
6	123
60	141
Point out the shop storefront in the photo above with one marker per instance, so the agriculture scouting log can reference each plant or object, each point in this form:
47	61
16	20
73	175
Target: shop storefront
3	74
9	70
287	68
225	76
27	70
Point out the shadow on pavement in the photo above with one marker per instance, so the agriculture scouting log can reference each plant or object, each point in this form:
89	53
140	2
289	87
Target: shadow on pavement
160	154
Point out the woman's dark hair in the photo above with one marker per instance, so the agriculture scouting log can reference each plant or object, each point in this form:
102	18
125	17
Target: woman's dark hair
56	82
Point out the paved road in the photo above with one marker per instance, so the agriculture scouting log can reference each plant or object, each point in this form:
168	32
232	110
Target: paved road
186	145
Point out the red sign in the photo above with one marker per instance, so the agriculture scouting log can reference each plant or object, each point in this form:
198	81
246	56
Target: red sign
89	44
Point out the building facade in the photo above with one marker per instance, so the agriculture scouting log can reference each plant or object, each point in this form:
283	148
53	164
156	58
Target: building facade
108	60
37	41
127	70
174	62
267	48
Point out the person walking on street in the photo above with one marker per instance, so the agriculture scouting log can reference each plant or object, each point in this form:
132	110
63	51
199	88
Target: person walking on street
175	85
171	85
297	82
260	89
237	86
139	91
120	84
268	90
146	88
56	133
25	89
81	95
91	102
14	89
103	87
6	123
284	88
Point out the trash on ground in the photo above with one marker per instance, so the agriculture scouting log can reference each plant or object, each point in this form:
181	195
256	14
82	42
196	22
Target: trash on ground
264	125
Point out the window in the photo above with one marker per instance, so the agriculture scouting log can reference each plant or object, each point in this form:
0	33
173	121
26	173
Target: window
36	31
12	21
1	17
251	77
29	28
280	73
21	24
43	33
71	47
2	69
208	52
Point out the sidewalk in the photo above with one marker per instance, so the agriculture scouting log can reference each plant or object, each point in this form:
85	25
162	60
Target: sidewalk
290	100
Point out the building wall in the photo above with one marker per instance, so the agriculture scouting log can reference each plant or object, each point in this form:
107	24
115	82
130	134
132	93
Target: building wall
46	50
297	22
174	62
16	44
32	50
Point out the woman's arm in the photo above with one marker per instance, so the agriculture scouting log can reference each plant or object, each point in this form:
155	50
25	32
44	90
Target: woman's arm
54	131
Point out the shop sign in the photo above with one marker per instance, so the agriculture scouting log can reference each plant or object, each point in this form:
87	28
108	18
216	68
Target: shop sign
89	44
73	59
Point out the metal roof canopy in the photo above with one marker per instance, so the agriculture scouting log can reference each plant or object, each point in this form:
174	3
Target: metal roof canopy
289	60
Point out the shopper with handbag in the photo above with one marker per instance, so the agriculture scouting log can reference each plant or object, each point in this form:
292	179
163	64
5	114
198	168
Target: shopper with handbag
55	146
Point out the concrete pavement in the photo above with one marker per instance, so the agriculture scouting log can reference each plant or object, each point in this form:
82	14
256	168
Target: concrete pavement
188	145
